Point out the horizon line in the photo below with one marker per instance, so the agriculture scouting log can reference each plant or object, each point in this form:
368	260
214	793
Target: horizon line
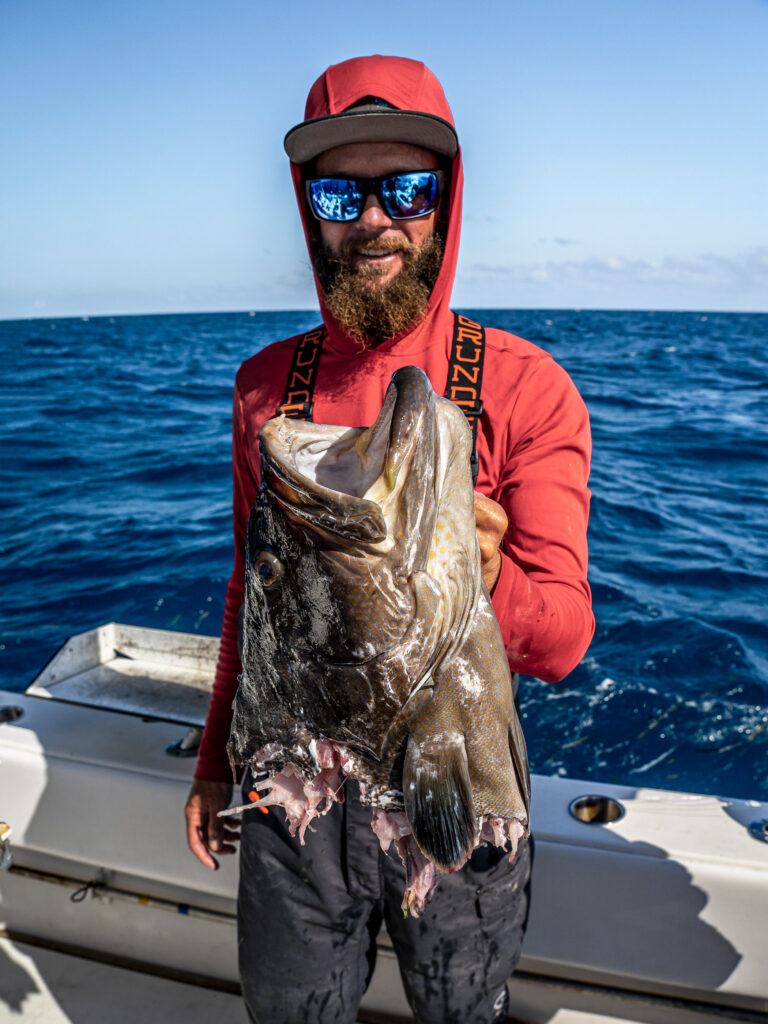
85	317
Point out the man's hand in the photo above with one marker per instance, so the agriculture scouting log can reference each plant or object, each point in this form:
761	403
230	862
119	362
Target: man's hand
206	832
491	523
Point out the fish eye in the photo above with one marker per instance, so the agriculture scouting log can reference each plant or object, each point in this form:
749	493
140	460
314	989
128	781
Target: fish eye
268	568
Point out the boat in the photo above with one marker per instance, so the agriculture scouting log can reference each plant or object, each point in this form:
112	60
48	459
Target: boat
648	905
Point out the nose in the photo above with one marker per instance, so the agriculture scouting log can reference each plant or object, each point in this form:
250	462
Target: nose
373	215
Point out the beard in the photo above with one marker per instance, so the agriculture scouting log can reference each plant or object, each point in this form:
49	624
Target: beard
370	312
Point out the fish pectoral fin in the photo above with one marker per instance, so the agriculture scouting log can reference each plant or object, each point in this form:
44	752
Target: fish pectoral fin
438	799
400	727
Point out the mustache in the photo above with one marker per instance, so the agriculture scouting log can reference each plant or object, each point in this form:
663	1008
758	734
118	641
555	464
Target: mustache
352	246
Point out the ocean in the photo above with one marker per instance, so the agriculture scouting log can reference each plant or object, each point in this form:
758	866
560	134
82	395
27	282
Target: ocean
115	505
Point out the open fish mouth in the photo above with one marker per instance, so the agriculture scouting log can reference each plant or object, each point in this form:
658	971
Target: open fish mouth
370	649
340	479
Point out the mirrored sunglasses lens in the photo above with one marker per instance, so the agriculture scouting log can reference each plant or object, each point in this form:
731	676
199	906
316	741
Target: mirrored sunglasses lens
335	199
410	195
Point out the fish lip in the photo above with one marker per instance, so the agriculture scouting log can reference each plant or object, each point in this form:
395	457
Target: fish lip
343	514
340	514
414	403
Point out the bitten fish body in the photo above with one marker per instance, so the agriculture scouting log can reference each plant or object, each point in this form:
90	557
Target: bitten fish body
370	648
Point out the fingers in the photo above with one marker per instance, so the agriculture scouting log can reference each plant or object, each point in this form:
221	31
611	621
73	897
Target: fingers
490	571
220	839
491	523
205	832
226	849
197	840
490	516
489	545
215	830
200	842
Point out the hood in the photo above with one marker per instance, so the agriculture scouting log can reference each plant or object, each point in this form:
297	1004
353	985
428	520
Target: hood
407	85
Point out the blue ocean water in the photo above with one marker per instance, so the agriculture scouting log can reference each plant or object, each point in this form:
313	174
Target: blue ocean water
115	505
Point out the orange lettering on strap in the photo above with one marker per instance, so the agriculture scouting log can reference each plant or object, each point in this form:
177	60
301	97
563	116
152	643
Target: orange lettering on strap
462	357
308	347
467	334
455	392
295	398
300	377
305	362
464	321
471	375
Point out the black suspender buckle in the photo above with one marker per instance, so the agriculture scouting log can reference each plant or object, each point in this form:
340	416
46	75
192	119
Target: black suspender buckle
296	411
474	463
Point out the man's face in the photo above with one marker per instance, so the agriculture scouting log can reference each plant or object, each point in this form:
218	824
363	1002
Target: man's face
377	273
371	160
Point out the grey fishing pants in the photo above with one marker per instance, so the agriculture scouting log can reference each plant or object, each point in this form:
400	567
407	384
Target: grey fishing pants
308	918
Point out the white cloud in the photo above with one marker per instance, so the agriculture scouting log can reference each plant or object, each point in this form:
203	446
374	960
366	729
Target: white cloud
705	281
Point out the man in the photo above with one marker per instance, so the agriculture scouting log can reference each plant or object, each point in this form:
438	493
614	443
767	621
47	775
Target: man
378	176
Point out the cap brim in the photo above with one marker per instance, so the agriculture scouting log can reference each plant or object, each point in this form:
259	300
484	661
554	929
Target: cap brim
310	138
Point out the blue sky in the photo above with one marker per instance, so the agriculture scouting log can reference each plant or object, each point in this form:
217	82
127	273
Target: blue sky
616	152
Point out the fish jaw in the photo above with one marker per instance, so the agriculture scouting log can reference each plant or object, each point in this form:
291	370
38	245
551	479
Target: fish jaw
297	464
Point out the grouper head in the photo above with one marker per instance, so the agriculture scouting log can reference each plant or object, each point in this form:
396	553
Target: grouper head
360	569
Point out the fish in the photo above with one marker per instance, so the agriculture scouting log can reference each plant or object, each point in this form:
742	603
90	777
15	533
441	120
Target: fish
370	649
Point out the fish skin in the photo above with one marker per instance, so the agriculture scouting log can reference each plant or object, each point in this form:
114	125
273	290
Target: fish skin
367	629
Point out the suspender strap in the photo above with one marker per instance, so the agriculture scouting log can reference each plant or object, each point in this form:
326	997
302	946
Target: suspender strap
299	389
465	376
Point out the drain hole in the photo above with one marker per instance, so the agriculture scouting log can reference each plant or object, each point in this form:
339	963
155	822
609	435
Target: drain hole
10	712
596	810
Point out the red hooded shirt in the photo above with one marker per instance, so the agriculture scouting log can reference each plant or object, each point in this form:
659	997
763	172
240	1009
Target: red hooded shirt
533	437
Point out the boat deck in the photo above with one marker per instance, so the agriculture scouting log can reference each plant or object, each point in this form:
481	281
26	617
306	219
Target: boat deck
655	915
47	986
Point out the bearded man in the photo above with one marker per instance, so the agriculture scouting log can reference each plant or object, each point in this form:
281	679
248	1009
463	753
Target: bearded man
378	176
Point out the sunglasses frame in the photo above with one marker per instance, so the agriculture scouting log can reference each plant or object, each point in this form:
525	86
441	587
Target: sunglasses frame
373	186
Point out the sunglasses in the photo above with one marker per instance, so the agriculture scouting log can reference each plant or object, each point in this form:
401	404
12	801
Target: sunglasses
411	194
